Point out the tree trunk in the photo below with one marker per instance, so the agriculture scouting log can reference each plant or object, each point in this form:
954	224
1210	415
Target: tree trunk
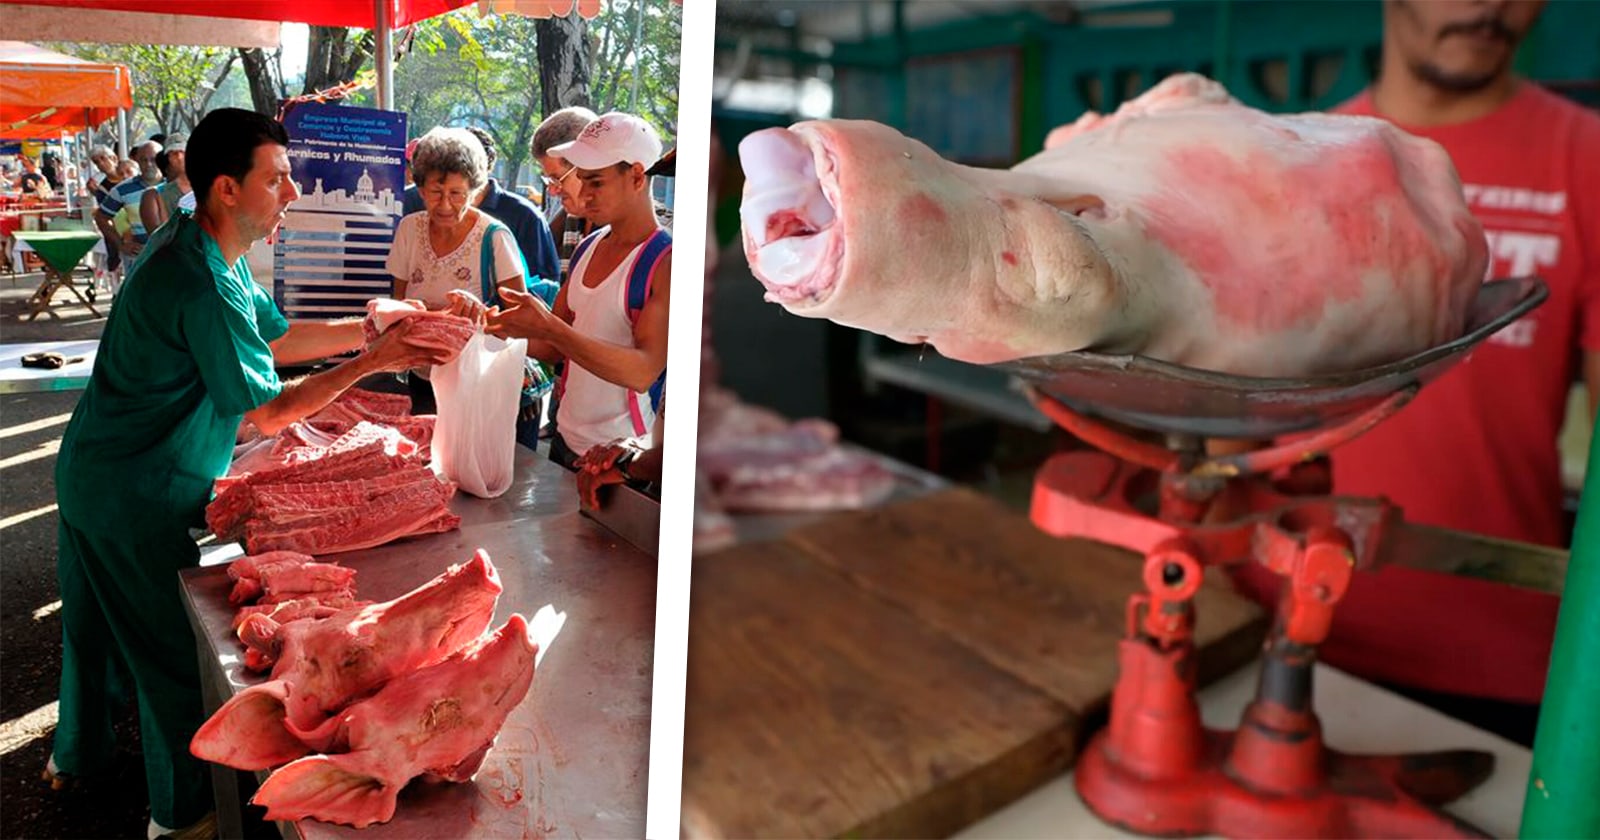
332	59
266	85
197	107
563	62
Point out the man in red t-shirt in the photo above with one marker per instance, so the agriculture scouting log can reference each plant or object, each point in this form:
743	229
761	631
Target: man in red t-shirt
1476	451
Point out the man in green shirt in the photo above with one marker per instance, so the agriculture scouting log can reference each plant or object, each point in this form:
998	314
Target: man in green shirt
189	351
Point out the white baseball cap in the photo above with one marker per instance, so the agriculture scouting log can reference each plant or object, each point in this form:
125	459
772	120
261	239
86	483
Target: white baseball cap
176	142
613	138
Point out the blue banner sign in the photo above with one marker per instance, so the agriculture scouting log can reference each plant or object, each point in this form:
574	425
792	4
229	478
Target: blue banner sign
331	249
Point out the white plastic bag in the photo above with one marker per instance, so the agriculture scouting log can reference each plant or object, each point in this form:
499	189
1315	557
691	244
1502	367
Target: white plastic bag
475	437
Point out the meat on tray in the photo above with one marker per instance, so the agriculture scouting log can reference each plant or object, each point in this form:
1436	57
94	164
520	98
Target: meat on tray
324	663
370	486
438	722
1185	227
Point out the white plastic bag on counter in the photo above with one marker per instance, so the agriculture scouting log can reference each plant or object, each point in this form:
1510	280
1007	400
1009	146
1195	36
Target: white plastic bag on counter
475	437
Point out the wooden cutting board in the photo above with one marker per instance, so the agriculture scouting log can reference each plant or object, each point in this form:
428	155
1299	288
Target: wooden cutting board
906	671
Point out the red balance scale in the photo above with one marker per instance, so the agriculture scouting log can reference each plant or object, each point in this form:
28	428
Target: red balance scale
1156	769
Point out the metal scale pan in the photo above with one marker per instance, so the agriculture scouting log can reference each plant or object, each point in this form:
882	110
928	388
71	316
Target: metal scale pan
1158	396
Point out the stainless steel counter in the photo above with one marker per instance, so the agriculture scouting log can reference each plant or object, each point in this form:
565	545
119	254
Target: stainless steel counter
572	759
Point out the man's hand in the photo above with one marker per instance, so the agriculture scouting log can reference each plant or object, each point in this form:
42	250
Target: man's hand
466	305
528	317
394	350
599	467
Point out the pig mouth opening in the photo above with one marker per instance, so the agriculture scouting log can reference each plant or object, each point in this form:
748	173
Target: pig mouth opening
788	219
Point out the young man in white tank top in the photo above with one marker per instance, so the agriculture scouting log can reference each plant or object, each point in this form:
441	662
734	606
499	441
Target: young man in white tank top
612	358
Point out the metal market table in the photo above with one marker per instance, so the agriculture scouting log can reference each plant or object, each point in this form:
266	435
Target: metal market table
572	759
61	251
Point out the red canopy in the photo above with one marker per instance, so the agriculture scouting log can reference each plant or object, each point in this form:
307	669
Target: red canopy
357	13
43	93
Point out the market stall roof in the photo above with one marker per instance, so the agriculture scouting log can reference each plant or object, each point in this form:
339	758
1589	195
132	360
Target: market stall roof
329	12
27	22
316	12
43	93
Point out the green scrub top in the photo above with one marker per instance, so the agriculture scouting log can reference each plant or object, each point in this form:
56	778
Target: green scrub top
183	356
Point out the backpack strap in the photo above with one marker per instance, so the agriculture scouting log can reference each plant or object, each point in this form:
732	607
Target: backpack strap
639	281
643	273
486	264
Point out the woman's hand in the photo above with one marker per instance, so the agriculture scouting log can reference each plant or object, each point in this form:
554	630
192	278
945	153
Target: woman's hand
466	305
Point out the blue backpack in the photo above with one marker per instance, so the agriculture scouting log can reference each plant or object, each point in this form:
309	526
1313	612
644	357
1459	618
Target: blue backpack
655	249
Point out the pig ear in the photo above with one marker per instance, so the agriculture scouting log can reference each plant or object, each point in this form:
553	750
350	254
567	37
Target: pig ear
247	733
338	788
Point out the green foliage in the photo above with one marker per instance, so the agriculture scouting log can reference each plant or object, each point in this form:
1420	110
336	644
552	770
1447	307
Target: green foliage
172	85
465	70
628	50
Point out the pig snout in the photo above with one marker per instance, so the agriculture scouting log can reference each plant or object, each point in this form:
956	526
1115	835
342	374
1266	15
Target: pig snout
786	216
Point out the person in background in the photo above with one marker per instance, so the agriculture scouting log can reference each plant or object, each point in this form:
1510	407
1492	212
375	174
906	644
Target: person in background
50	167
188	353
411	148
126	194
522	216
31	181
567	223
1476	450
158	204
106	164
609	321
440	254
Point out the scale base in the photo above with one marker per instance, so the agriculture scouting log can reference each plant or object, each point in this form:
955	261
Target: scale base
1363	797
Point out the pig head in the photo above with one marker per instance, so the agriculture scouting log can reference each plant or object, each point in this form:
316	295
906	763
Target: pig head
1185	227
438	722
324	663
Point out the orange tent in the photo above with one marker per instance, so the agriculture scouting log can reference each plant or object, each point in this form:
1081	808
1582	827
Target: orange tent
43	93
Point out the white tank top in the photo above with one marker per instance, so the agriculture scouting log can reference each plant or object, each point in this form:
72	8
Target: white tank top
594	411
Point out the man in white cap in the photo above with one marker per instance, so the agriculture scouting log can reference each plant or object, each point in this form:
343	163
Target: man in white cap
610	318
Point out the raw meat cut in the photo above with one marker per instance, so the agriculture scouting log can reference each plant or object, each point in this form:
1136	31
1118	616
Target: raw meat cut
367	449
309	605
413	509
282	581
752	459
438	722
339	417
370	486
324	663
377	404
428	328
1184	227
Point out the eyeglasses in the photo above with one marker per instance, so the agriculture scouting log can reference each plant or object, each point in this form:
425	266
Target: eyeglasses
556	182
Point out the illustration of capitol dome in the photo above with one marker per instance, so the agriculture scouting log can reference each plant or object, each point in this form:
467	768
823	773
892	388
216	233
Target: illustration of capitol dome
364	193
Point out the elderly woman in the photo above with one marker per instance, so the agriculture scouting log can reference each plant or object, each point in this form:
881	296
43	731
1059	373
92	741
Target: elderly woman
452	256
